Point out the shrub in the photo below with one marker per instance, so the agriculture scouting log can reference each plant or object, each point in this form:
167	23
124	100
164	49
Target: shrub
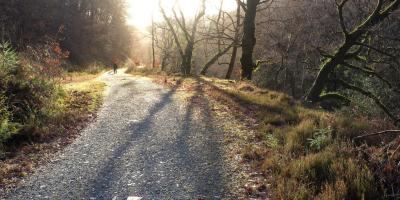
7	128
321	139
25	96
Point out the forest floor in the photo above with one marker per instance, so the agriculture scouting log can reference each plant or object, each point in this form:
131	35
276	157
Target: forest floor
148	141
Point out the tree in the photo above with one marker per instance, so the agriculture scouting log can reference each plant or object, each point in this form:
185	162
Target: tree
98	24
164	41
221	34
249	38
355	41
236	43
188	33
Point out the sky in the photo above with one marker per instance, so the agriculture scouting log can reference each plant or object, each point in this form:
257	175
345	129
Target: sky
140	12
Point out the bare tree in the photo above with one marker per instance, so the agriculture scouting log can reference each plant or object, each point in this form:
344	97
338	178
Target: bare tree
164	42
189	34
223	27
355	41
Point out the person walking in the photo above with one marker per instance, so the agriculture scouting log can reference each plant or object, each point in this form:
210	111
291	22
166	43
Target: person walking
115	67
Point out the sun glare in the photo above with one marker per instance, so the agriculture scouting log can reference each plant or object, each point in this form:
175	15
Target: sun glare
141	12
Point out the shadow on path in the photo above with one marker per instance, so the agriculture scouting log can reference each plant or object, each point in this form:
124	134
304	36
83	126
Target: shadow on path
194	160
109	174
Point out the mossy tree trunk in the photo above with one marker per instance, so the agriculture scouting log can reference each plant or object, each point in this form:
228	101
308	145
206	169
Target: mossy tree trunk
352	39
249	39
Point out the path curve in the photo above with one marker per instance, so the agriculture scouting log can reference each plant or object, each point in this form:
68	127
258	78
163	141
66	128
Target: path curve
144	143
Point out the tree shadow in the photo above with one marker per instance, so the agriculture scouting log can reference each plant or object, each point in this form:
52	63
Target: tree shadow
197	156
194	169
210	183
110	174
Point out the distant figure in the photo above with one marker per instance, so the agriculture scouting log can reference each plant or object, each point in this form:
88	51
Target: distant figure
115	67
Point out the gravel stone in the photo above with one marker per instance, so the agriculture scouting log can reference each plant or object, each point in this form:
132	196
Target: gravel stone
144	143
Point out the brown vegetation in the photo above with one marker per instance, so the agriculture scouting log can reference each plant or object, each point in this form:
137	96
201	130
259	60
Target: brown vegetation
33	146
302	153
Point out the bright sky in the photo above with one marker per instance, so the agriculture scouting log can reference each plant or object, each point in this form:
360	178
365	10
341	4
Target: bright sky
140	12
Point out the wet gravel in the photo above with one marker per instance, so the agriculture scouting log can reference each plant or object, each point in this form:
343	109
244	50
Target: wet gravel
144	143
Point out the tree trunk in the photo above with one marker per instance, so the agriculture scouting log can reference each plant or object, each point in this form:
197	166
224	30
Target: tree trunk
326	69
186	65
214	59
249	39
235	46
232	63
152	43
377	16
163	62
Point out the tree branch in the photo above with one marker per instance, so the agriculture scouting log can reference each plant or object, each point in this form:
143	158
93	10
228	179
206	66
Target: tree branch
371	96
378	133
341	18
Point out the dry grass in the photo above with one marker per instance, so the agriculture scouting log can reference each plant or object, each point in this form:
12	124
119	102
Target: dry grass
304	153
78	77
144	71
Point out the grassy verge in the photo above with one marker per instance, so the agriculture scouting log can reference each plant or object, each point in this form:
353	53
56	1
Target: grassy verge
75	107
288	151
144	71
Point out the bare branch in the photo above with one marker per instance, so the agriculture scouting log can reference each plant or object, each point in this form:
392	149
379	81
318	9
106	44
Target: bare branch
371	96
341	18
378	133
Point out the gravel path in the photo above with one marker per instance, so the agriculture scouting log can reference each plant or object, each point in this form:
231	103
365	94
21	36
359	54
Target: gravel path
144	143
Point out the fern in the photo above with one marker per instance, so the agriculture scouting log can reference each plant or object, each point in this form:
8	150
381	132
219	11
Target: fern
321	139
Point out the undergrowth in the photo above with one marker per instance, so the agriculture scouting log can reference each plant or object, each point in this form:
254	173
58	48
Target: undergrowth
36	112
26	98
144	71
308	153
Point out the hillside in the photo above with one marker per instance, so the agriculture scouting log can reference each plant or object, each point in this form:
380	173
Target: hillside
288	151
